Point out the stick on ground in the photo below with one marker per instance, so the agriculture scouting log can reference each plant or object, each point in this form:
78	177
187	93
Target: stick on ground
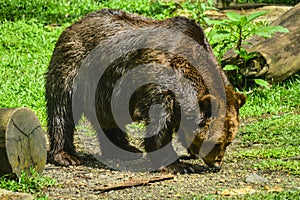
134	182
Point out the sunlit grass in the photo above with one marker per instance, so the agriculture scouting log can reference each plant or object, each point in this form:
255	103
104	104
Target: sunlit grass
280	98
25	51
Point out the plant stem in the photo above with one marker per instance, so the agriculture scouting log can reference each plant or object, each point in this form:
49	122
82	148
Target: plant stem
240	39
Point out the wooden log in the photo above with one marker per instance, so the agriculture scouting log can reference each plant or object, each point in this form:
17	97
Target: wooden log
22	142
277	57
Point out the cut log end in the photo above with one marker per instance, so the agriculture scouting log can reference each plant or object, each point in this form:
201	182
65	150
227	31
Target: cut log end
22	142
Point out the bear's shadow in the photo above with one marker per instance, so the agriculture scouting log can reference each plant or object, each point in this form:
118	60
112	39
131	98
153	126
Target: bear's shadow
185	165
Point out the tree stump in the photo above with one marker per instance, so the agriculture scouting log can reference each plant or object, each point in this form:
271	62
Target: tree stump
22	142
277	57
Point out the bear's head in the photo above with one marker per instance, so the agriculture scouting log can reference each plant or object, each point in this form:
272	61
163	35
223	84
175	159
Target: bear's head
217	132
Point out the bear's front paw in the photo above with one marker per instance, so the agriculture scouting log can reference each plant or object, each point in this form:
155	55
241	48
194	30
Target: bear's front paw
64	159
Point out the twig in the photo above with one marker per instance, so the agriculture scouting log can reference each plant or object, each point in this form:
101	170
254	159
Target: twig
134	182
292	158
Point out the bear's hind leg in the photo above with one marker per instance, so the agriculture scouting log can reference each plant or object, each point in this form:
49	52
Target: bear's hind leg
61	132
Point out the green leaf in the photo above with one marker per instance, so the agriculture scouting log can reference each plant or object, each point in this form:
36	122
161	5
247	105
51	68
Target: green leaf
262	83
242	52
203	6
280	29
244	20
246	55
230	67
217	36
255	15
206	20
249	56
211	2
215	22
268	31
233	16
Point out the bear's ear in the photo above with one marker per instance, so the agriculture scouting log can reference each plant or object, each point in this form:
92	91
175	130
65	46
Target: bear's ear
208	103
241	99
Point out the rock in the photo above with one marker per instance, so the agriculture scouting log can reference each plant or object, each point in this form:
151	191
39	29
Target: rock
6	194
254	178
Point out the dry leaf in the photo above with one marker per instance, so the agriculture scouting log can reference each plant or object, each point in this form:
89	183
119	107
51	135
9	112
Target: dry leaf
241	191
225	192
177	195
274	189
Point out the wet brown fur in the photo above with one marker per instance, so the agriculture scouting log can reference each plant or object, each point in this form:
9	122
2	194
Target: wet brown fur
78	40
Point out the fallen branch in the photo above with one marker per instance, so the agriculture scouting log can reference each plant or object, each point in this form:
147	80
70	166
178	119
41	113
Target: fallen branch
292	158
134	182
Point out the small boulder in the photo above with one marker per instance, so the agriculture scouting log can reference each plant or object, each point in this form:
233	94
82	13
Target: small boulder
254	178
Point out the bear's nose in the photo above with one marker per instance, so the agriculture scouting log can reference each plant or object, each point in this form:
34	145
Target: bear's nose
216	168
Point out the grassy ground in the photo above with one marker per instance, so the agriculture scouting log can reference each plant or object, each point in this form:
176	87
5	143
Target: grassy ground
270	128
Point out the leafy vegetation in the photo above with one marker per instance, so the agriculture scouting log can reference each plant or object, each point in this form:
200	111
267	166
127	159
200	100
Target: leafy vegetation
196	10
33	184
29	30
234	30
231	33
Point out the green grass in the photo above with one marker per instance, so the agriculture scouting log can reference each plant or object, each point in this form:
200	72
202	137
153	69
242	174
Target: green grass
288	194
276	130
281	98
289	166
25	51
270	151
33	184
28	32
156	9
272	141
46	11
272	131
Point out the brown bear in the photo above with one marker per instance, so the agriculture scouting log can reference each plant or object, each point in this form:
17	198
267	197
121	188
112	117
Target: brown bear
102	34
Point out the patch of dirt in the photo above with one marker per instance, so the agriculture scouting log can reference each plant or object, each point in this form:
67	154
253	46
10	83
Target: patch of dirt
83	182
86	181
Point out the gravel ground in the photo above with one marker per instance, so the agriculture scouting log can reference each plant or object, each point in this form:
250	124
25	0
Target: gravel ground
83	182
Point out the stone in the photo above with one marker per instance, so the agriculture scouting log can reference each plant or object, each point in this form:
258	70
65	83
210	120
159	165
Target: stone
254	178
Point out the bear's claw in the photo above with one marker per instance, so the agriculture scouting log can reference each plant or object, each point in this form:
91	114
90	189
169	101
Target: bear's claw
64	159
